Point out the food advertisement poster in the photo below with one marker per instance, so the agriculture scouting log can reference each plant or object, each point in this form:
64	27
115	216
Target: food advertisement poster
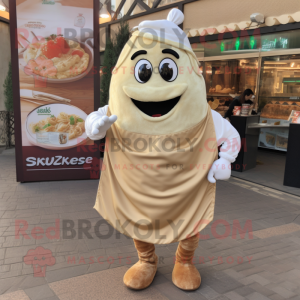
54	54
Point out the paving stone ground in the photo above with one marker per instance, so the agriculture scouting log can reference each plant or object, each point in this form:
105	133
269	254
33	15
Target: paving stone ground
264	263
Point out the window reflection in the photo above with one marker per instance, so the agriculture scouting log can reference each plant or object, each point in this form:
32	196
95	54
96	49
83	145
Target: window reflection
227	79
280	81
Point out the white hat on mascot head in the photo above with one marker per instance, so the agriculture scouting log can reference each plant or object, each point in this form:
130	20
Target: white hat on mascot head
168	32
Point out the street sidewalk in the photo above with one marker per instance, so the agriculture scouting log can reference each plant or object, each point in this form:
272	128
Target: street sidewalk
252	250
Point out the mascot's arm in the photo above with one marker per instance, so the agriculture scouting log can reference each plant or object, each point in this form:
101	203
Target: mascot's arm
228	137
97	123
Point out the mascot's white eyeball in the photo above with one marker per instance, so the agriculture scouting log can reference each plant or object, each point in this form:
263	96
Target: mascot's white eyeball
176	16
168	69
143	71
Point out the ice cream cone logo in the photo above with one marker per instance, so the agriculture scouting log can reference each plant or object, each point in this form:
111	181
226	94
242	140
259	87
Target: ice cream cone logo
39	258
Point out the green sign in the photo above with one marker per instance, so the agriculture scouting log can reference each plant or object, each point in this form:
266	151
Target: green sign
252	42
278	43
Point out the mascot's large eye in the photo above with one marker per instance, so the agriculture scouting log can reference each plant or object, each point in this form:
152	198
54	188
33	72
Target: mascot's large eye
143	71
168	69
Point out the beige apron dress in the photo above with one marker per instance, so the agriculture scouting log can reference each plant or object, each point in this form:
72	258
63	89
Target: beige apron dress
155	188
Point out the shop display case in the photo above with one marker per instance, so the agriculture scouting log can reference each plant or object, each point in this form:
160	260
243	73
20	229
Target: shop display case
279	95
226	79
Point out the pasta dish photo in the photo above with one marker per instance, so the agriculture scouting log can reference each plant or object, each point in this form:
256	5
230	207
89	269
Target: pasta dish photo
71	124
56	58
56	126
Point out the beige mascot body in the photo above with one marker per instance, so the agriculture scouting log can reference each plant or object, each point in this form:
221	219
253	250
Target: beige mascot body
158	185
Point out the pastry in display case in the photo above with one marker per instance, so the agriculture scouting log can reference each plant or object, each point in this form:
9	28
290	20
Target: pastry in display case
274	138
214	104
270	139
220	105
279	110
281	142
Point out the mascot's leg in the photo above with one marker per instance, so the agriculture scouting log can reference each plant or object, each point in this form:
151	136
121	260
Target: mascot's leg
185	275
141	274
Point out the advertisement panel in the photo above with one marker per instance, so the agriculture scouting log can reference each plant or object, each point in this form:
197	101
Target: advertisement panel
55	61
274	138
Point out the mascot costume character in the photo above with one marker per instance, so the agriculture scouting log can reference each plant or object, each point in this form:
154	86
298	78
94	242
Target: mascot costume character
161	158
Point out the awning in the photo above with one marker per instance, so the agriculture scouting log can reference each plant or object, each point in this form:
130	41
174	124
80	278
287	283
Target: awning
269	21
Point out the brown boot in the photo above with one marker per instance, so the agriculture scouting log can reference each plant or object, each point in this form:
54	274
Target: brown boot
185	275
141	274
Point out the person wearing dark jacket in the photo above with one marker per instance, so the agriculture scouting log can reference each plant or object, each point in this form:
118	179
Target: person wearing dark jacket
245	97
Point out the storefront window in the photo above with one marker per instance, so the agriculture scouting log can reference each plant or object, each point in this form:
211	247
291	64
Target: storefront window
280	85
226	79
279	95
230	76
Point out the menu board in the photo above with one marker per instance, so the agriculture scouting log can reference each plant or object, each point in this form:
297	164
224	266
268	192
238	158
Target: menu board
54	54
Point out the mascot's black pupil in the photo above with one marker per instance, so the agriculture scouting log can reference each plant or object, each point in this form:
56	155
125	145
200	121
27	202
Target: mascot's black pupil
166	72
145	72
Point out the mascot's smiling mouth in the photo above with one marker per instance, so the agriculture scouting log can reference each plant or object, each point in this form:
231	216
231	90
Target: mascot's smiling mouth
160	107
156	109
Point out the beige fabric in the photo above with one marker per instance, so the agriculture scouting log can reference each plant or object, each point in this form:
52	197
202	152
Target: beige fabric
143	199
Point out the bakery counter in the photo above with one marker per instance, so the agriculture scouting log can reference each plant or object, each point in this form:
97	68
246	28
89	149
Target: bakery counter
273	133
265	125
250	131
270	135
288	97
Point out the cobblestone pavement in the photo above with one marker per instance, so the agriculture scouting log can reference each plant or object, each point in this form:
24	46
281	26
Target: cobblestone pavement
262	264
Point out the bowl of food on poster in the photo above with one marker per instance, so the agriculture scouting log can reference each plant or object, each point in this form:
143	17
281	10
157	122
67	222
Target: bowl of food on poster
56	59
56	126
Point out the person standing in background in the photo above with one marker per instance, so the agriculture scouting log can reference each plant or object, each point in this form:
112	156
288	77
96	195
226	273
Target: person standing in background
244	98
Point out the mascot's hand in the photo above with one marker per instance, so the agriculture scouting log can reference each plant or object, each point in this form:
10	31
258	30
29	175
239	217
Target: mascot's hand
103	124
220	170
